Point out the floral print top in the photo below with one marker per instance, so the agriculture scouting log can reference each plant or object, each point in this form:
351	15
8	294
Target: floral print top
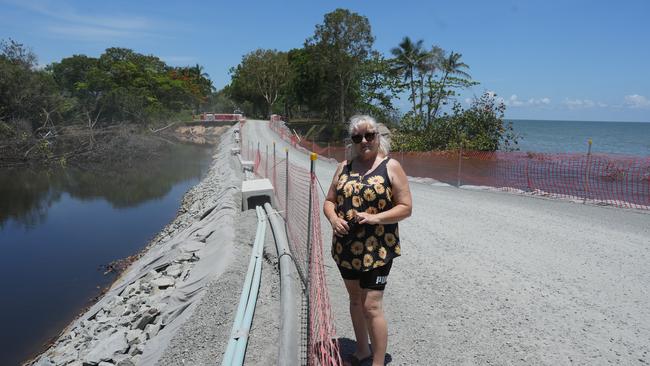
366	246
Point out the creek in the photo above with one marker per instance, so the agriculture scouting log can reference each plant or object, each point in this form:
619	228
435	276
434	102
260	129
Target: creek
60	227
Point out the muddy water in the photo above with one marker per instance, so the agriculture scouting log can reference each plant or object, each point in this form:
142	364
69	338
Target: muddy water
59	227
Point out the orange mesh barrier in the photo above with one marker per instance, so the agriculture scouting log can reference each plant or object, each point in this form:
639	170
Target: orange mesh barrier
618	180
622	181
293	186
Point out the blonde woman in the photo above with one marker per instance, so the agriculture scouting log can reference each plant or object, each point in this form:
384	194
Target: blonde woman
368	196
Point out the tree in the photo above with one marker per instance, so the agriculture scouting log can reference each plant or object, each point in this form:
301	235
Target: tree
306	83
379	85
80	77
341	45
409	56
432	64
26	93
261	73
450	66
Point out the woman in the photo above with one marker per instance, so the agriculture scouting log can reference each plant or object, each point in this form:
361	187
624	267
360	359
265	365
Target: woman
368	196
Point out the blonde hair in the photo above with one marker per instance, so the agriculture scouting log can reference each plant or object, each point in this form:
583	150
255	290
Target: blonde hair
355	121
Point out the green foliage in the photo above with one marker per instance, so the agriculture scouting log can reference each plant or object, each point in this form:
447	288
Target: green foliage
121	86
260	78
340	47
26	93
219	102
6	131
480	127
408	56
335	75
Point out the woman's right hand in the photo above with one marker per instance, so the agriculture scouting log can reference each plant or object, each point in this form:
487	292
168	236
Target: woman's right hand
340	227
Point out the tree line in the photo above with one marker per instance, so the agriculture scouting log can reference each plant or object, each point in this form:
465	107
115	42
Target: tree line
337	73
120	86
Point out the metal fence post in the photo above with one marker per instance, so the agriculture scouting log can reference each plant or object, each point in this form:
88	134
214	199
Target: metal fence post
266	162
460	162
312	173
286	184
587	171
274	180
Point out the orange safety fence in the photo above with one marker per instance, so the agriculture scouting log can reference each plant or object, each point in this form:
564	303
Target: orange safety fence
610	179
295	193
218	117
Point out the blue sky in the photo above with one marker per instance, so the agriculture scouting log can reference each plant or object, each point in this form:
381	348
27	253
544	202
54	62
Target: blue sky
574	60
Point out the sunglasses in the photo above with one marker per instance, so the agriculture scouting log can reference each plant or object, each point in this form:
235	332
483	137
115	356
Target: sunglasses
368	135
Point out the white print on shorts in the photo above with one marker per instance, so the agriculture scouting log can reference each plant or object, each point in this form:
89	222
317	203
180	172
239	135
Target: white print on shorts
381	280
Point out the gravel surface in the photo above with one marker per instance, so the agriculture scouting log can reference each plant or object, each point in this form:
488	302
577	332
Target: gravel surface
497	278
203	339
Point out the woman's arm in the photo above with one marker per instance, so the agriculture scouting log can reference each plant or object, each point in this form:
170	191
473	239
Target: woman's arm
402	201
339	225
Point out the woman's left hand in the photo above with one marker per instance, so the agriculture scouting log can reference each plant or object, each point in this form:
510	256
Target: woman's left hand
366	218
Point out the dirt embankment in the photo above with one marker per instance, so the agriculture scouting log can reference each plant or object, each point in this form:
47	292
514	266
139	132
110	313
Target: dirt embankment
115	144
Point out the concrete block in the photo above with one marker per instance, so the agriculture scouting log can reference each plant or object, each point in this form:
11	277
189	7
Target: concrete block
255	192
235	150
246	164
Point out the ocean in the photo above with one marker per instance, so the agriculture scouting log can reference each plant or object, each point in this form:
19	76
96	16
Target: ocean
626	138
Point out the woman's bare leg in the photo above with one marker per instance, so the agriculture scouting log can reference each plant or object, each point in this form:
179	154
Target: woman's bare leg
376	322
358	318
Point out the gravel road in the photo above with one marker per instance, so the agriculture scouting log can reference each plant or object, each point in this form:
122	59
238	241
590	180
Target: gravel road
498	278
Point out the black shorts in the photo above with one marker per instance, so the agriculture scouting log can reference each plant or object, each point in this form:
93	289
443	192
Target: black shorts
375	279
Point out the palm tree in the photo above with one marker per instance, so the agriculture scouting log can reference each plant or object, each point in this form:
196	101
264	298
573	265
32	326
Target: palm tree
202	81
434	61
427	65
450	66
406	59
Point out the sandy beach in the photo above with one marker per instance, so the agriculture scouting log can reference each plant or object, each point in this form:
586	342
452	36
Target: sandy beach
485	278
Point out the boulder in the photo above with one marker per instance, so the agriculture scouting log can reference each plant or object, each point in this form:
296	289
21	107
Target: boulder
163	282
144	320
151	330
133	337
106	348
136	350
45	361
118	310
174	270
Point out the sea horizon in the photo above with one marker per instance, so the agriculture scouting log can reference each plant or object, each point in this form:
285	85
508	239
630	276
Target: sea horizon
569	120
565	136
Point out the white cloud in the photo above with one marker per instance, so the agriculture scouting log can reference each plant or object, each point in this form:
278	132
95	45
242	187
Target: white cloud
68	22
637	101
579	103
514	101
87	32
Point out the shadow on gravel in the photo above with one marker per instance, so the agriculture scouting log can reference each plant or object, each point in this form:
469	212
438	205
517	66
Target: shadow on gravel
347	347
